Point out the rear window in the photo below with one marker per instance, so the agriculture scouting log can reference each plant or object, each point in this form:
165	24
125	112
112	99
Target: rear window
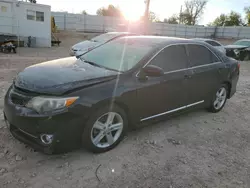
213	43
120	55
200	55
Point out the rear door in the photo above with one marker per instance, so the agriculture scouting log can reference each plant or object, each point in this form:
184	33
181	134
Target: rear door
158	95
204	71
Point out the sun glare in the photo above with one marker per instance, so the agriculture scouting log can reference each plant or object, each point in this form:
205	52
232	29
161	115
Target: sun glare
133	13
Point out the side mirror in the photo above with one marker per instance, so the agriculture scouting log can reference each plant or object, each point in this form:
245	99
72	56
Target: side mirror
152	71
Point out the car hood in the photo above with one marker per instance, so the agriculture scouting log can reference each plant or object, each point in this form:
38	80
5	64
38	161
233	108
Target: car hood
62	75
85	45
233	46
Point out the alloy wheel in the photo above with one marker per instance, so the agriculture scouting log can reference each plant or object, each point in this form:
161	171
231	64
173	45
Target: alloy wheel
107	129
221	96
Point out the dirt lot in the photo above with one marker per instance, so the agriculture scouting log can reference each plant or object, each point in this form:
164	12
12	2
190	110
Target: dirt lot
197	149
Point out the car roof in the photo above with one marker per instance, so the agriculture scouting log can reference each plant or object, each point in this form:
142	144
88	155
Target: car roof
163	41
117	33
155	39
204	39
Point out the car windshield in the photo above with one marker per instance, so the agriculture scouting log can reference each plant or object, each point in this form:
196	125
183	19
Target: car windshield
242	43
105	37
119	55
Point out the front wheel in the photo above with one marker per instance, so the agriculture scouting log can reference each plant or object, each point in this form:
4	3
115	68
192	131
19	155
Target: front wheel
105	129
219	100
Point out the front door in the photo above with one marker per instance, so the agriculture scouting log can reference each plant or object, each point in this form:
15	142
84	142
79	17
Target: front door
160	95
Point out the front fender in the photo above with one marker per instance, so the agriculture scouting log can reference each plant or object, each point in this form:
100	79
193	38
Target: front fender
119	91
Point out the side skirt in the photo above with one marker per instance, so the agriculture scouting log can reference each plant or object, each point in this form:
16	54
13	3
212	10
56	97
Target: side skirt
172	111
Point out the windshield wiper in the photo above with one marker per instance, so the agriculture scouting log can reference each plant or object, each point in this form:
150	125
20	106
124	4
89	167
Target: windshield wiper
91	63
97	65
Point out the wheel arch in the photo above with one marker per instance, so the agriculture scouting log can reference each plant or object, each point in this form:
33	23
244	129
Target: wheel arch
229	85
119	103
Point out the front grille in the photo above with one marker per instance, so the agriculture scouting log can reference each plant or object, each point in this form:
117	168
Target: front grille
19	97
18	101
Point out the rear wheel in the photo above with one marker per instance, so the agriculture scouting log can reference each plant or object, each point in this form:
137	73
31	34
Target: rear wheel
105	129
219	100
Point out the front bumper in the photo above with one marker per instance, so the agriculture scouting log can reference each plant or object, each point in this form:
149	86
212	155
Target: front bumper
30	140
27	126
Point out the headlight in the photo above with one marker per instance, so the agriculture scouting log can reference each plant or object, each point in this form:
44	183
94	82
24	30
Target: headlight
46	104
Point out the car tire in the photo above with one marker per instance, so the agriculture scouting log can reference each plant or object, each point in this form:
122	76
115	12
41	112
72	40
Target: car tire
219	99
99	130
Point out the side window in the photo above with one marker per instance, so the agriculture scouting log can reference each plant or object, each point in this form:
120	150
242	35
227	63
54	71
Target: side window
31	15
200	55
171	58
35	15
213	43
40	16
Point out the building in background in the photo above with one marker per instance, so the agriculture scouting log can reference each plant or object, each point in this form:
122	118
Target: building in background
25	19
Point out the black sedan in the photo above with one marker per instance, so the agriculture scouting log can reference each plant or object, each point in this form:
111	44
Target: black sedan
95	99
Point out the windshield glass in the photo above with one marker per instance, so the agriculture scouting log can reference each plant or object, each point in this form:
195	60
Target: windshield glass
242	43
105	37
120	55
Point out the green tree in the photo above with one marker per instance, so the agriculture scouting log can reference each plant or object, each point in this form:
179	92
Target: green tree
111	10
193	10
247	11
153	17
220	21
172	20
232	19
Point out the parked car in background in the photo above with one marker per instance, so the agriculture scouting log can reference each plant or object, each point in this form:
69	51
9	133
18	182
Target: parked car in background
239	50
213	43
84	46
95	98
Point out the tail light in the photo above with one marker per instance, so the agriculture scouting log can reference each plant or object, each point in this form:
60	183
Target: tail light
238	65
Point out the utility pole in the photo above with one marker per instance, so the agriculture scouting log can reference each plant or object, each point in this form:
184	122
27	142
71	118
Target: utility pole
180	16
147	2
146	16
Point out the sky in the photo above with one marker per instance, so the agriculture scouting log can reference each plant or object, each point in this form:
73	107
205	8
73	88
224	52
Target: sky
135	8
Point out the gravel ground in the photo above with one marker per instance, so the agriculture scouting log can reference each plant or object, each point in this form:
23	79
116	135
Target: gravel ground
197	149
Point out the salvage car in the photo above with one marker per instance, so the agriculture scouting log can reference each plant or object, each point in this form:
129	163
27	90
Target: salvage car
239	50
96	98
214	43
84	46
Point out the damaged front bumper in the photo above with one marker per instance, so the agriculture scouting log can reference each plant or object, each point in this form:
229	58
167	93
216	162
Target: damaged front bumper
241	54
